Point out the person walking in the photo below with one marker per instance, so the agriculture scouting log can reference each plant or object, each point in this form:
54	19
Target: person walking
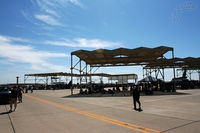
27	87
136	98
19	94
13	99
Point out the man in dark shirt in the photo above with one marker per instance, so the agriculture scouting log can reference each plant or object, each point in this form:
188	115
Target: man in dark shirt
136	98
13	98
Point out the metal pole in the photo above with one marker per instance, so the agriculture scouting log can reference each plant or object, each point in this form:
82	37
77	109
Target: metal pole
190	75
146	72
122	80
86	72
71	74
199	75
46	81
80	72
24	79
143	72
35	80
173	63
90	74
163	74
174	70
157	73
17	81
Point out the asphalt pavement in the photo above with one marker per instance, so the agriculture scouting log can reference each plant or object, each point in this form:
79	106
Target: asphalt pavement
52	111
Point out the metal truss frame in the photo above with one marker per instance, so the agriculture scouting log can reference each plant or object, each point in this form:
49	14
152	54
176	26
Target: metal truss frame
189	72
43	79
82	68
147	71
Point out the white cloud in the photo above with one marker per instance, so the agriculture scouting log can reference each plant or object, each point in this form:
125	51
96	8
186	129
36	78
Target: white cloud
76	2
82	42
47	19
6	62
28	17
51	12
49	2
27	54
15	39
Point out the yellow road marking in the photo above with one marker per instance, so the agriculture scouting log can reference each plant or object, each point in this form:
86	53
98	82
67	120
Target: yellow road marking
113	121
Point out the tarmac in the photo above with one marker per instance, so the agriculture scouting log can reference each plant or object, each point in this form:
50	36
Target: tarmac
53	111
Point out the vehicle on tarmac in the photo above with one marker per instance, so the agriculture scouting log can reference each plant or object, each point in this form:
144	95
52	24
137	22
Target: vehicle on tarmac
5	93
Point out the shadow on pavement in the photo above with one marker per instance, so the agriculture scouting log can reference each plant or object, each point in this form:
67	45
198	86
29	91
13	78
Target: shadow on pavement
3	103
124	94
4	113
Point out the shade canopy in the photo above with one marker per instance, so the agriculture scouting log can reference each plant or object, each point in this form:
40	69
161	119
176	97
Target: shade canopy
121	56
80	75
188	63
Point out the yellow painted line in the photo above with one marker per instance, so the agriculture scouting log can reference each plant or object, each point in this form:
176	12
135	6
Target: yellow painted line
129	124
113	121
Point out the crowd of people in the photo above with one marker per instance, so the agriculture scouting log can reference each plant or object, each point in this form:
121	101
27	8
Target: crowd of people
132	89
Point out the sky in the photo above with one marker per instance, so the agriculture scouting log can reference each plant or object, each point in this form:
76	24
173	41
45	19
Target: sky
38	36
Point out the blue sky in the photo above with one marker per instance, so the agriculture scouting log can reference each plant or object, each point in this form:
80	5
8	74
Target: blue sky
39	35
